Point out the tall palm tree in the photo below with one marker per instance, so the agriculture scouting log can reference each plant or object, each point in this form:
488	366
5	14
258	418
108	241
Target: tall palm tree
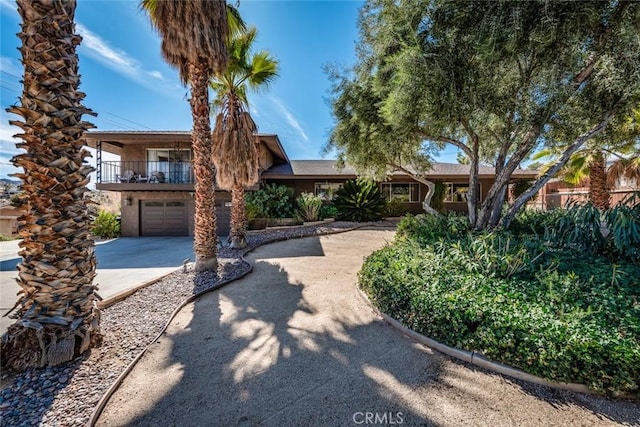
58	317
194	36
235	152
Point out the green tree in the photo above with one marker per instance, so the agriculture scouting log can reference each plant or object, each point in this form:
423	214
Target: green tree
58	317
194	37
235	151
492	78
364	139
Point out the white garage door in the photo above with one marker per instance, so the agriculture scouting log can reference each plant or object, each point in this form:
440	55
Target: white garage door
164	218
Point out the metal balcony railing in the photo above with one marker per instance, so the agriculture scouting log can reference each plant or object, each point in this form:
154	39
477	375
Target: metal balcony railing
142	171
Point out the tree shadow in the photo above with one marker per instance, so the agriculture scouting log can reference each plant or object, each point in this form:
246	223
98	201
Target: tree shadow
273	349
255	353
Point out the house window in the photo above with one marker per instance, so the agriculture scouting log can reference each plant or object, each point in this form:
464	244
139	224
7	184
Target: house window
327	190
404	192
458	192
172	164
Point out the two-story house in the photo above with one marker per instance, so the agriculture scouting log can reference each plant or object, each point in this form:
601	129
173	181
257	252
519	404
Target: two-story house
155	179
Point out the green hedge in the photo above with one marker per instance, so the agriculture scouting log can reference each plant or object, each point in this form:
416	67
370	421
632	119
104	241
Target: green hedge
558	315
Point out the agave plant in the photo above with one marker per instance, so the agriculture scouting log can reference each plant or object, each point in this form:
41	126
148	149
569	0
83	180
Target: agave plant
360	200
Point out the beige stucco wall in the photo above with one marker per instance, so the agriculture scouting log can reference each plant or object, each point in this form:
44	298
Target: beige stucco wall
266	158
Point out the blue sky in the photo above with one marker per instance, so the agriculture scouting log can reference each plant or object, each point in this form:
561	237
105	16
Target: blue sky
131	88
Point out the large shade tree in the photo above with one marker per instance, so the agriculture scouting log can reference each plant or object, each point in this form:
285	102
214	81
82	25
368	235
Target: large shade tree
58	317
492	78
194	37
235	150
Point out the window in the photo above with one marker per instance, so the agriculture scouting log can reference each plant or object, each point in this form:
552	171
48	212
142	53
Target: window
327	190
173	164
457	192
403	192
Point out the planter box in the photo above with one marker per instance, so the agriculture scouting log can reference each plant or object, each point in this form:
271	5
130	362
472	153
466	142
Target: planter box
258	223
282	222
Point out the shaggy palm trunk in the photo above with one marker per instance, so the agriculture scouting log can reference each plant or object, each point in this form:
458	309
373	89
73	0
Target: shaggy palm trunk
238	233
57	314
598	191
205	239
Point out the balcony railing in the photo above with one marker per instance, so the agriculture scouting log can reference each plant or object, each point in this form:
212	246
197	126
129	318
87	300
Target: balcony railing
141	171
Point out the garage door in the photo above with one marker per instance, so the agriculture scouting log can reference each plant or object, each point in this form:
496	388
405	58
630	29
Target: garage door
164	218
223	217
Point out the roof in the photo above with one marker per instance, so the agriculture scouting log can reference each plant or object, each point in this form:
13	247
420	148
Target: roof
309	168
113	141
299	169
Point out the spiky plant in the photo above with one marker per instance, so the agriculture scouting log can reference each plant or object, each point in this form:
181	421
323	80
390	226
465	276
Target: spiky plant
194	37
235	150
57	314
359	200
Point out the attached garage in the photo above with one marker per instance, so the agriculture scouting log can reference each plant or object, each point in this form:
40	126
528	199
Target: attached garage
164	218
223	216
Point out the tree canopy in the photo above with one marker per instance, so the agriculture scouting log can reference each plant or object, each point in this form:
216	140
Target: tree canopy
497	80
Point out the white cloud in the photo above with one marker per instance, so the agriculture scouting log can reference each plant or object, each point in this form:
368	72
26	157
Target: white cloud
117	59
291	120
9	4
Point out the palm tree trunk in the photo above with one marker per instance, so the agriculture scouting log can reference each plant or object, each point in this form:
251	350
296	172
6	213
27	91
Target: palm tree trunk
237	236
598	191
204	239
57	314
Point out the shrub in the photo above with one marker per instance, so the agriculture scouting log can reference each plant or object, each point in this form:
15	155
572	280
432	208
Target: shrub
252	209
394	207
520	186
106	225
580	228
571	320
328	211
425	229
272	201
309	206
359	200
535	221
623	222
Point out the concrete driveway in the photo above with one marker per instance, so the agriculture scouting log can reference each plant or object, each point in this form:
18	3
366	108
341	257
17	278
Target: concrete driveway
123	264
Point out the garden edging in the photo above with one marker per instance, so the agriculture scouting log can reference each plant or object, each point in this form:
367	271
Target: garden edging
473	357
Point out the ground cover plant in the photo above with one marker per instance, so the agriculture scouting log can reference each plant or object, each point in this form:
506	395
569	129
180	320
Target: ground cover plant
555	302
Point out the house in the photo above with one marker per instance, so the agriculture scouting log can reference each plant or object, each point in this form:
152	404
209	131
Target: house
156	182
557	193
9	219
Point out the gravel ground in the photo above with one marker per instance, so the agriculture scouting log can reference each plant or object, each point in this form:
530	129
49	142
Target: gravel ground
66	395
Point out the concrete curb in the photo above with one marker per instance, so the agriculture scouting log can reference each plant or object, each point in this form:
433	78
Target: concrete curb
95	414
473	357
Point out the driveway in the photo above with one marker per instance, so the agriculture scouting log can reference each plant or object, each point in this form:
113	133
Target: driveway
123	263
293	344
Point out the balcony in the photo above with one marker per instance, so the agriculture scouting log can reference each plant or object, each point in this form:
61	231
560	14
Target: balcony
143	175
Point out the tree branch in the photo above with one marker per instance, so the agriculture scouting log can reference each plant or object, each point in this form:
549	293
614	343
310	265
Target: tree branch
553	170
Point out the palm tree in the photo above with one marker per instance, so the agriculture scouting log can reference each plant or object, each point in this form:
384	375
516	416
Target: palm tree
625	167
58	317
235	152
619	140
194	41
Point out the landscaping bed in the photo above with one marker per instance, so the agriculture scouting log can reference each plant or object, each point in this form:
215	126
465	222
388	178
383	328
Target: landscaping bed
534	298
